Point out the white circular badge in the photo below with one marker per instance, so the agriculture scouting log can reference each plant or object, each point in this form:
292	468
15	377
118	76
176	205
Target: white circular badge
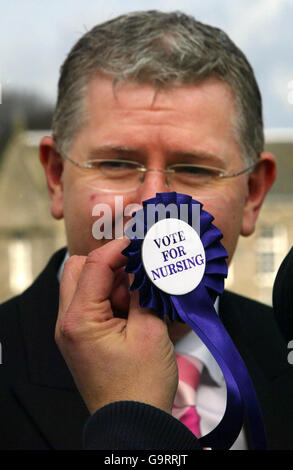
173	256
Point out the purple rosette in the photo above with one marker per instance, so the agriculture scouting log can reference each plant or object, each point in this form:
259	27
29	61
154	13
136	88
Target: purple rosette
196	308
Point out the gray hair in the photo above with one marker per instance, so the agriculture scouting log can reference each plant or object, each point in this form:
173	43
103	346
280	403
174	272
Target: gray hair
162	49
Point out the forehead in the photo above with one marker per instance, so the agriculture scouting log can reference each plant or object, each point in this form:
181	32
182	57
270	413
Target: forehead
134	95
198	114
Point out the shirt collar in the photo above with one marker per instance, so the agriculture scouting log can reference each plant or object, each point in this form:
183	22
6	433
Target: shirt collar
60	271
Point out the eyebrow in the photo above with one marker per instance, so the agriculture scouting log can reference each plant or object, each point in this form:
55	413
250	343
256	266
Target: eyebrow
119	151
200	156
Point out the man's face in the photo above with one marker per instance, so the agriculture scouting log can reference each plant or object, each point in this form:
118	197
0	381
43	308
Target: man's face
184	124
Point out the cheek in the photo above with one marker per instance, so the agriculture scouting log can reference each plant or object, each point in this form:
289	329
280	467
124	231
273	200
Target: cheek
107	214
227	210
79	202
77	216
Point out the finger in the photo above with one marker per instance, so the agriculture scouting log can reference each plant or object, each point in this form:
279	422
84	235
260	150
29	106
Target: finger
98	274
69	281
120	295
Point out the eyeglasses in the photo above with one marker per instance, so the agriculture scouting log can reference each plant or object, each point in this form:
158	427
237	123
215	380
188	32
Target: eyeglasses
125	175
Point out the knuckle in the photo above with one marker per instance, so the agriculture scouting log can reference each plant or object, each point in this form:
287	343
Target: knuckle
67	331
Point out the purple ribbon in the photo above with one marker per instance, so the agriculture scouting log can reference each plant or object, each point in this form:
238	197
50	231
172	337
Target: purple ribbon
197	310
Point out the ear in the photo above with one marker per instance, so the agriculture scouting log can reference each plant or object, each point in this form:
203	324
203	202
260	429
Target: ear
259	182
53	166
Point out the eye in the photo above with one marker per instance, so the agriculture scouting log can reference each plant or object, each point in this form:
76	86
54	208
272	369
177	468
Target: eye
195	171
115	165
115	168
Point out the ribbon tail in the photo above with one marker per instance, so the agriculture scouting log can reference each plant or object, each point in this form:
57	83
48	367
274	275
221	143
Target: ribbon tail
227	431
203	319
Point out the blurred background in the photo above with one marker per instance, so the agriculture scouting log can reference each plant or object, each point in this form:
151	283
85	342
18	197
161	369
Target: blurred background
35	37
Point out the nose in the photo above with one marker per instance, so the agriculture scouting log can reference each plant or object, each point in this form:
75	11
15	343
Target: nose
154	182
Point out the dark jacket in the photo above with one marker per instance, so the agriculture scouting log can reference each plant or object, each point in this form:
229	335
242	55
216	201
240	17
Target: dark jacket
283	297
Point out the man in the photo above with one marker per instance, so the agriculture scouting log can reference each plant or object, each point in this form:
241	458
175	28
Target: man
148	102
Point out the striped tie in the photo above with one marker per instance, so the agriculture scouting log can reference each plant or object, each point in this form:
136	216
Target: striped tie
189	369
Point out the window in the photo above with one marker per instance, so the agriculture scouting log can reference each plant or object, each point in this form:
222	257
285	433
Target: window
20	265
271	248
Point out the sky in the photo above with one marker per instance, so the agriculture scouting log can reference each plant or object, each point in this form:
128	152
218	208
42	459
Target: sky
36	35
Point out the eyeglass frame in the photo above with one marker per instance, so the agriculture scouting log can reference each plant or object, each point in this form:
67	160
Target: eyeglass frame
141	168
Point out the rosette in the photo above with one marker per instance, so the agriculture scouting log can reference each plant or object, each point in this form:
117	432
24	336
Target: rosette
196	308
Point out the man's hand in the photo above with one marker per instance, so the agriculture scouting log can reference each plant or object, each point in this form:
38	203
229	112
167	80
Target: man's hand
112	358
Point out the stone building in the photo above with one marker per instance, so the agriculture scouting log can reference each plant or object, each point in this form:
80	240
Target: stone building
29	235
258	257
